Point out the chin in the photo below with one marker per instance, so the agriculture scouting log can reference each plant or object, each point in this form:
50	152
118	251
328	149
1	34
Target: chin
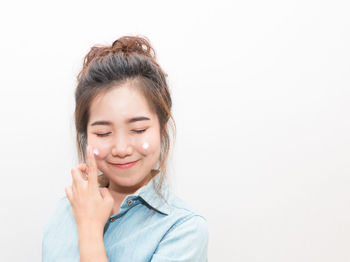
128	181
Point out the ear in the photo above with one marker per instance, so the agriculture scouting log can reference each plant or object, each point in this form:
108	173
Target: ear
165	126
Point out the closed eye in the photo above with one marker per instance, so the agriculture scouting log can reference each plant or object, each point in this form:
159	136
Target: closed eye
136	131
139	131
102	135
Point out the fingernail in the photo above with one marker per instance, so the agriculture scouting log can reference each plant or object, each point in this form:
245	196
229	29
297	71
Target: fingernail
96	151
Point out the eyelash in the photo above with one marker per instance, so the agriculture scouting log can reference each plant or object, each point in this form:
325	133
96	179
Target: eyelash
102	135
136	131
139	131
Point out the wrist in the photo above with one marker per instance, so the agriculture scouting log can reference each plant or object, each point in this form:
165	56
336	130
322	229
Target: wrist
90	228
91	244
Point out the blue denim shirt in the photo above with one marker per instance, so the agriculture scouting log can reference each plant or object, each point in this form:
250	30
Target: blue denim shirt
147	228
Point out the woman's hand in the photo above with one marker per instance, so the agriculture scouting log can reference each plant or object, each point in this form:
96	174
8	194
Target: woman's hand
91	205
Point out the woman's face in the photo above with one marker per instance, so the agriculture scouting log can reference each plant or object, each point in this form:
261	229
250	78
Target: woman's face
124	130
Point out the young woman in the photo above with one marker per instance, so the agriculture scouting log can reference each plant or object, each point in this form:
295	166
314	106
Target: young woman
128	212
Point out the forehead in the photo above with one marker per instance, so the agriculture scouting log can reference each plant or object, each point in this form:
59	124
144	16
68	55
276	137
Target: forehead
119	103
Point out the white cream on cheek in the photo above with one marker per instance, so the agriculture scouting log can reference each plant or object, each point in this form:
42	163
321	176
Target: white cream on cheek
145	145
100	147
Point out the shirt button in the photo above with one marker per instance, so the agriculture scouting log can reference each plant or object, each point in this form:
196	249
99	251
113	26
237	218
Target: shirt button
129	202
112	219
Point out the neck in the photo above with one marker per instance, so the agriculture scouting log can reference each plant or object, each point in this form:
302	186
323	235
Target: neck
119	193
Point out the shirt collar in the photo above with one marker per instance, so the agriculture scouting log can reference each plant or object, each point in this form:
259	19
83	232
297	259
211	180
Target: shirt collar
151	197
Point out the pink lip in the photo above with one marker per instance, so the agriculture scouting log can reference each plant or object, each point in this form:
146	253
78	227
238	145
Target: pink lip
126	165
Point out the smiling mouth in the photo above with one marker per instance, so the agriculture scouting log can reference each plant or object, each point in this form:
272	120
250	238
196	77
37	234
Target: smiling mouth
124	165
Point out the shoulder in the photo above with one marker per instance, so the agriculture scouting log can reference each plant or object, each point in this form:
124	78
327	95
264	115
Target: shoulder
61	214
178	206
187	238
189	225
187	215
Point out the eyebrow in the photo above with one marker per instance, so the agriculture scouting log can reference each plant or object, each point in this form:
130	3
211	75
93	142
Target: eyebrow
129	121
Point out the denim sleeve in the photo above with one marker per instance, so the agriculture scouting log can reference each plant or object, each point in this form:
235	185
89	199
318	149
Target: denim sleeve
185	241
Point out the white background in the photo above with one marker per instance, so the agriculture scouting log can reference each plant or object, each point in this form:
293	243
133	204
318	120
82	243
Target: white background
261	102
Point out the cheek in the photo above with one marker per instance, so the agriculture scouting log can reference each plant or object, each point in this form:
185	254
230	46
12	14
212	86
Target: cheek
149	144
101	145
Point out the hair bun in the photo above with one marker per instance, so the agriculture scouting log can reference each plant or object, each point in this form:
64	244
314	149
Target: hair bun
126	45
130	44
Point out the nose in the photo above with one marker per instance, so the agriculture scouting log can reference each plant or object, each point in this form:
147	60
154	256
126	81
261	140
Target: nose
121	147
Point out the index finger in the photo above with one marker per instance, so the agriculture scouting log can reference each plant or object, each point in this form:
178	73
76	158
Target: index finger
92	169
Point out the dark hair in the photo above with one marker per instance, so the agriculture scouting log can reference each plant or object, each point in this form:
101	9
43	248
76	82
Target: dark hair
129	58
